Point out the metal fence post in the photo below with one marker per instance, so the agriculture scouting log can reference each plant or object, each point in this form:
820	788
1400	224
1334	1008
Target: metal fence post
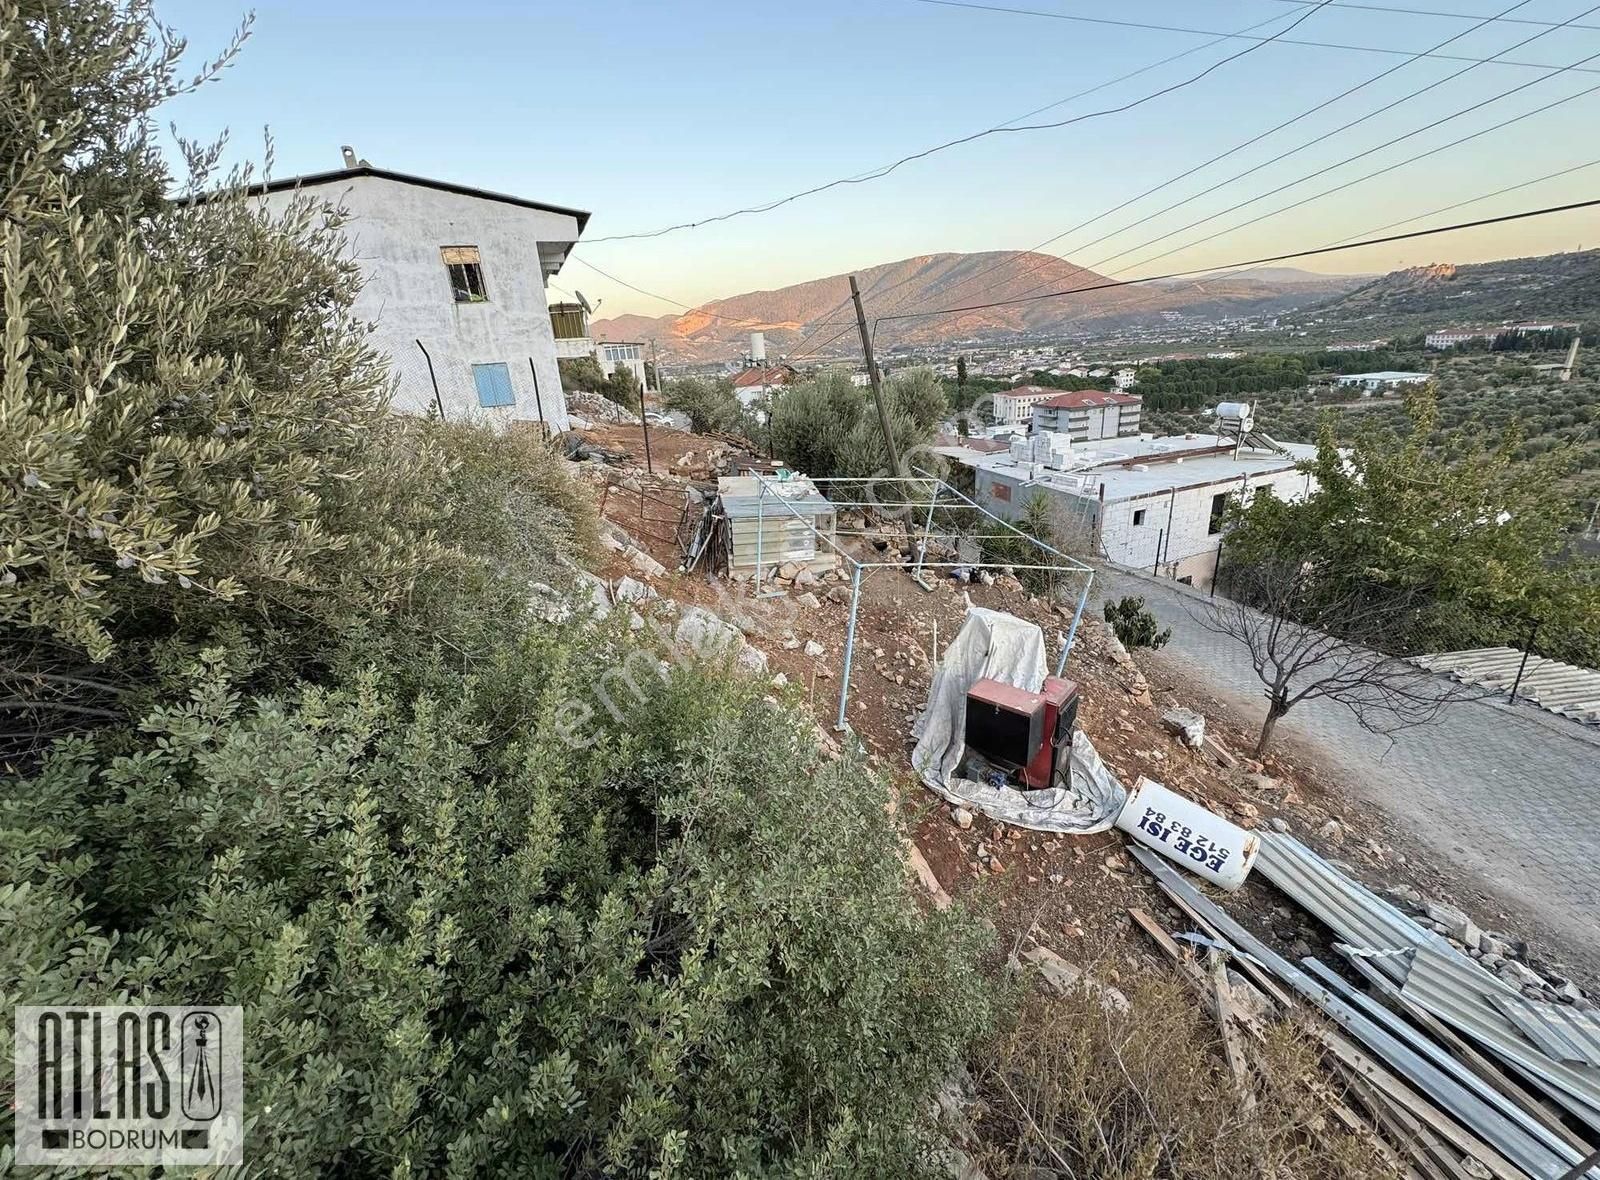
927	525
761	528
1527	648
849	647
1072	631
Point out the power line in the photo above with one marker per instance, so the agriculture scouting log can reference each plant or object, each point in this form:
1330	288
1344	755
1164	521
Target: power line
1250	142
1183	274
665	298
1004	129
1242	269
1125	308
1360	179
826	320
1127	24
1337	188
1510	20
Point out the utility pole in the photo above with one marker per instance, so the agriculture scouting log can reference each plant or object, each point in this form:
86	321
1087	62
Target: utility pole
655	365
877	383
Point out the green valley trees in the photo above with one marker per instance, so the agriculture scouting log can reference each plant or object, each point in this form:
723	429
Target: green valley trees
1405	547
1468	535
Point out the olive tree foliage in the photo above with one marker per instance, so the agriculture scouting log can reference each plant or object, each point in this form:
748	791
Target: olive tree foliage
480	932
193	426
710	404
826	426
1456	541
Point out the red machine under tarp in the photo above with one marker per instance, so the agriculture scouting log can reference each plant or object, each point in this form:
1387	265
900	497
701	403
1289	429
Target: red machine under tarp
1026	734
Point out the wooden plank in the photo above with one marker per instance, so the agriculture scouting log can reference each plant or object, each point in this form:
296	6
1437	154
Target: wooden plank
1188	968
1232	1049
1396	1091
1262	978
1403	1130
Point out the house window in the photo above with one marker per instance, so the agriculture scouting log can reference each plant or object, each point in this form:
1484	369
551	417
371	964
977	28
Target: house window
494	385
1138	516
1001	492
1219	505
466	274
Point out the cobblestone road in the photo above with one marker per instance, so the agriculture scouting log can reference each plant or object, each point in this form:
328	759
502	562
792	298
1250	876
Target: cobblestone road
1509	794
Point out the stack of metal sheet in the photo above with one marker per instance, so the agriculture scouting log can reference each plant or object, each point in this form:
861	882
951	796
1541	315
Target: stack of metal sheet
1556	1048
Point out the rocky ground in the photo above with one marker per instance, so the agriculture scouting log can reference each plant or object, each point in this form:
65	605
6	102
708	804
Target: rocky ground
1068	893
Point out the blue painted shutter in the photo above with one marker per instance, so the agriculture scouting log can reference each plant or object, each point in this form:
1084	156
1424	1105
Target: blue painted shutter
494	385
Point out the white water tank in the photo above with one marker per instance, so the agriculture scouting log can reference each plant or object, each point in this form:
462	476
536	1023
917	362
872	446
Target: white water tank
1202	842
1241	412
758	347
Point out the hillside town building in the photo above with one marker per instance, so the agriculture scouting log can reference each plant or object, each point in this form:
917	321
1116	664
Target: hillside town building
1016	405
1156	504
749	385
454	285
1085	415
1388	378
1446	338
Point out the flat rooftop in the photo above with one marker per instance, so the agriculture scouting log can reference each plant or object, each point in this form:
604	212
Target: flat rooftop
1385	375
1168	463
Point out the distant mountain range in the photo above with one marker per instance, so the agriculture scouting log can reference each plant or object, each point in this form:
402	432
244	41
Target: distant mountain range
1545	287
801	318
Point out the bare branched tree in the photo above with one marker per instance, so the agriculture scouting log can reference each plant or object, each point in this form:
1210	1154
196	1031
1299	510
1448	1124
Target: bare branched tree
1305	644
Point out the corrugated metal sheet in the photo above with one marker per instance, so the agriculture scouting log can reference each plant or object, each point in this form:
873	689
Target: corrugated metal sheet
1441	1058
1562	688
1560	1031
1526	1150
1451	986
1359	916
1459	995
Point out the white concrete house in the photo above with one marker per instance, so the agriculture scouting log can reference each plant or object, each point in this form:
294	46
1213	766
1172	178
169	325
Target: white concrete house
1155	504
455	286
1016	405
630	354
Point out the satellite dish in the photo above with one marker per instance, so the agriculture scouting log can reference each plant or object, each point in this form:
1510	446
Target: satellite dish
584	303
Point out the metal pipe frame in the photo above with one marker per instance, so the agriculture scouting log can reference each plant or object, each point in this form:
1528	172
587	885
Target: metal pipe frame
1068	565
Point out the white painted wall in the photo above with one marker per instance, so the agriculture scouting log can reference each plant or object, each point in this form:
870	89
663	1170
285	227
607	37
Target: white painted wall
395	233
1192	550
1192	547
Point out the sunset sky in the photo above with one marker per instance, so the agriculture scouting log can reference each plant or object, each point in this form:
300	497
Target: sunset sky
649	114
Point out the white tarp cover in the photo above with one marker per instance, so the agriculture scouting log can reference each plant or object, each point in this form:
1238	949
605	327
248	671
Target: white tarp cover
1003	647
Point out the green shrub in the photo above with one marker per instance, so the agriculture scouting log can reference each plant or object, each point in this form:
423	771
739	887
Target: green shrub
1134	625
827	427
622	387
582	373
710	405
476	932
193	424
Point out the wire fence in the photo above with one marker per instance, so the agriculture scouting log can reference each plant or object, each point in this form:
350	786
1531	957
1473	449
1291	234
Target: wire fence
923	526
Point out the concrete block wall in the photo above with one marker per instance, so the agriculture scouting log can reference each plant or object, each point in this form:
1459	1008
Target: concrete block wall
395	233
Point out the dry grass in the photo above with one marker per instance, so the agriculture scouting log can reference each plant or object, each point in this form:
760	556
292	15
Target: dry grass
1074	1090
